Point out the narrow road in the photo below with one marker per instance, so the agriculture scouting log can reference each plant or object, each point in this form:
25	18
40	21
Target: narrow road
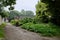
16	33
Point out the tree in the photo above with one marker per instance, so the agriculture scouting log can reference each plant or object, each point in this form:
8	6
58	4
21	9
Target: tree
14	14
10	3
42	13
23	12
53	8
4	14
29	13
4	3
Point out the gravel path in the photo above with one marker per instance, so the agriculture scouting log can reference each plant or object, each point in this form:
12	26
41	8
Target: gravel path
16	33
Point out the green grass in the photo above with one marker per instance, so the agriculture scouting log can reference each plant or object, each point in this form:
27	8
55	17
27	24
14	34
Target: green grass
44	29
2	30
1	33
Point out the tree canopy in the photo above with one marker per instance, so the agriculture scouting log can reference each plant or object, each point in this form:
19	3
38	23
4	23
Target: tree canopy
4	14
50	8
5	3
27	13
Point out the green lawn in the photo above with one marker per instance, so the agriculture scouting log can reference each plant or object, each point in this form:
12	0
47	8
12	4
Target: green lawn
44	29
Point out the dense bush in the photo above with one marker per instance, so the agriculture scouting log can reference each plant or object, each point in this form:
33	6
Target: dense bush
15	22
26	20
48	8
44	29
22	21
30	20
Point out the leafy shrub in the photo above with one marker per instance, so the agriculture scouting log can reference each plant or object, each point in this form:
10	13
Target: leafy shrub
2	25
29	20
44	29
15	22
36	20
22	21
26	20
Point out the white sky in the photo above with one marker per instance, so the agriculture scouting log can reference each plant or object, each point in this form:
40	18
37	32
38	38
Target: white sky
26	5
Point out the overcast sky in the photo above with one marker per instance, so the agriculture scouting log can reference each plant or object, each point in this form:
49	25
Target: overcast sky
26	5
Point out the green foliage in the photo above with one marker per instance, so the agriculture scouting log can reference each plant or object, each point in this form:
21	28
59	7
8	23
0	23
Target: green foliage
8	3
42	12
2	25
44	29
26	20
13	22
4	13
27	13
52	8
22	21
2	30
14	14
4	3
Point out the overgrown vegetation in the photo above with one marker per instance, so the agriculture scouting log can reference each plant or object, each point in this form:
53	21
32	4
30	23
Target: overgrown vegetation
21	22
44	29
15	22
2	30
46	8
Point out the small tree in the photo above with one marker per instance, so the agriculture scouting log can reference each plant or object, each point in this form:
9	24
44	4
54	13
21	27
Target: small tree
52	8
42	12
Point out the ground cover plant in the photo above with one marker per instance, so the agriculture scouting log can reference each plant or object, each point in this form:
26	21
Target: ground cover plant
44	29
2	30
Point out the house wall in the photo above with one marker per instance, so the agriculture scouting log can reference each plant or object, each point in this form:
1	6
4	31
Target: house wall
0	20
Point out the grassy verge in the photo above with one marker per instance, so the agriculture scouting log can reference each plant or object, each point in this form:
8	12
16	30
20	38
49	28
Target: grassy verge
2	30
44	29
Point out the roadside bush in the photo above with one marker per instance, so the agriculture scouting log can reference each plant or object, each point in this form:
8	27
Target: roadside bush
26	20
44	29
15	22
36	20
2	30
22	21
2	25
29	20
